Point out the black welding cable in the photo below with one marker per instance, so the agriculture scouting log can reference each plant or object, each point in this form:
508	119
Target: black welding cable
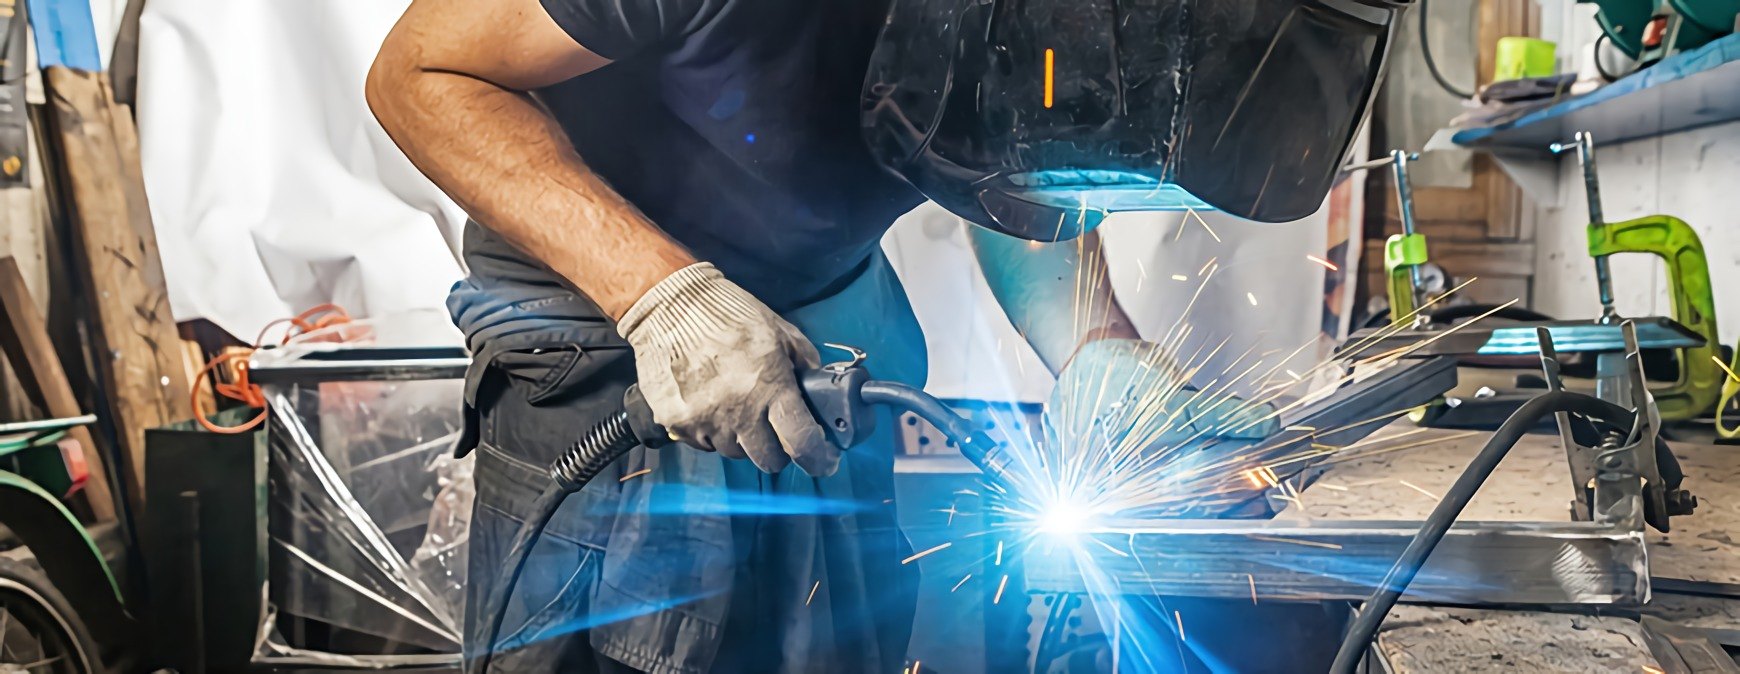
1432	63
1377	607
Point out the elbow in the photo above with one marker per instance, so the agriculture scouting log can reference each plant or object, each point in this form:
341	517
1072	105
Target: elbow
382	86
388	86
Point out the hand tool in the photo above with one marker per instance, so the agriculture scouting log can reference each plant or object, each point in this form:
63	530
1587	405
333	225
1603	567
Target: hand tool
1412	277
1694	304
840	395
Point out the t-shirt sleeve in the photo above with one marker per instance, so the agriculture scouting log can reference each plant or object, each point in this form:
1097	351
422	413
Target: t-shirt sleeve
617	29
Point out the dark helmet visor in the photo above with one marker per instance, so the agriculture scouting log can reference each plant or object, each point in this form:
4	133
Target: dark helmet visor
1039	117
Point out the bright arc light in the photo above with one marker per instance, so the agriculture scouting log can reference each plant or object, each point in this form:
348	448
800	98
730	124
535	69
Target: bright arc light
1064	518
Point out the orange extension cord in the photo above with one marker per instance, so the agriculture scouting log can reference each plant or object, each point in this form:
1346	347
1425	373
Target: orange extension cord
243	390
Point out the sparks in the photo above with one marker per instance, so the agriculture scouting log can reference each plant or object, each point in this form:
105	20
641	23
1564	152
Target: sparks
1725	368
1253	581
958	585
1178	619
1326	264
812	596
1417	488
1297	541
921	555
1000	586
1180	277
1204	223
634	474
1252	297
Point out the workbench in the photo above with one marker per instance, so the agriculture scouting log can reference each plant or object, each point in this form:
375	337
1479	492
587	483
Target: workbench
1533	484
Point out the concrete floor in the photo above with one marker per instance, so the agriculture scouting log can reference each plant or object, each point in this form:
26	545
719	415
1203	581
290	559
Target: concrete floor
1533	484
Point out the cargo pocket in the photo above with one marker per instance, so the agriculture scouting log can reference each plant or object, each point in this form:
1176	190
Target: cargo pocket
542	372
545	374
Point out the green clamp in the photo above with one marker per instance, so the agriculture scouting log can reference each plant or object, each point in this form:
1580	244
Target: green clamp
1404	250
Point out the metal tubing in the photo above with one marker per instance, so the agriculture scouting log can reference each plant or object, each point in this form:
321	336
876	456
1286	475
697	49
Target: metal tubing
1475	563
1522	339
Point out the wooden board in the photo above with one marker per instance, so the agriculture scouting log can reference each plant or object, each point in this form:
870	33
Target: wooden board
24	337
96	151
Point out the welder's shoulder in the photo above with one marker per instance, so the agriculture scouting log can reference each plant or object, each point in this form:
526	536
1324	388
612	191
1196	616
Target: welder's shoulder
616	30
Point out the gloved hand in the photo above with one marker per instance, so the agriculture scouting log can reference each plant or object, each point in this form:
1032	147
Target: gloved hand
717	368
1117	387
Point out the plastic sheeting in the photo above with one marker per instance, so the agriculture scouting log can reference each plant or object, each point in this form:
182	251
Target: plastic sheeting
368	515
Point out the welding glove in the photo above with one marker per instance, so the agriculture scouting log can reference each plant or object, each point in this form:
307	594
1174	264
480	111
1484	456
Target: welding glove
1114	389
717	368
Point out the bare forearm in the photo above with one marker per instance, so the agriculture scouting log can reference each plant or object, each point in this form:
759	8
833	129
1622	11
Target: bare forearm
1058	295
506	162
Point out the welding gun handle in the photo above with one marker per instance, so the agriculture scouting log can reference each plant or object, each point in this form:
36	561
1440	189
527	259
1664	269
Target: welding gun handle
833	395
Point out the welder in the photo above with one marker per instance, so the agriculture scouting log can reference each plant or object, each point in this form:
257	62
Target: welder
689	194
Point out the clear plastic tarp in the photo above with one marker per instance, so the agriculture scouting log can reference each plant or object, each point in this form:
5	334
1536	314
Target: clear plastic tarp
368	507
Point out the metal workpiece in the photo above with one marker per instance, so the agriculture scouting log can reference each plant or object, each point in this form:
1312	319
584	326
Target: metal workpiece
1476	563
1494	338
1600	559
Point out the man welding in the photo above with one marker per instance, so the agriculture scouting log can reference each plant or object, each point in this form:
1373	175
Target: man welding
689	194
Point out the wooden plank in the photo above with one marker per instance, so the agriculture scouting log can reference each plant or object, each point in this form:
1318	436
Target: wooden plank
1504	199
24	337
1437	204
140	359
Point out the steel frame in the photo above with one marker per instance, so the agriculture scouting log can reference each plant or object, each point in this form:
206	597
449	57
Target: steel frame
1602	561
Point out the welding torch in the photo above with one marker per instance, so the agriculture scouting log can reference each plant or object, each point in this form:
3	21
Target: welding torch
841	396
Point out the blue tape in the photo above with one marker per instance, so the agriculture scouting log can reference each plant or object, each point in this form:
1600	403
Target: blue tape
65	34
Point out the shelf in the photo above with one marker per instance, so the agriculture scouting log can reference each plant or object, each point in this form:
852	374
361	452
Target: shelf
1686	91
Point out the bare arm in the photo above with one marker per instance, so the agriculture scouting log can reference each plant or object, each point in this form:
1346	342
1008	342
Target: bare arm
1058	295
449	86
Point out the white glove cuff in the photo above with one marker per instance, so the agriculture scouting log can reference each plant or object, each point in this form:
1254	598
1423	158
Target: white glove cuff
692	302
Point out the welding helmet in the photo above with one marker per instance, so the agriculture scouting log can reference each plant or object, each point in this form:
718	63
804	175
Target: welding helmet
1036	118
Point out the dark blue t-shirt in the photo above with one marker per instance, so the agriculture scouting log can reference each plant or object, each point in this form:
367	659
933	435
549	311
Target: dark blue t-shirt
733	125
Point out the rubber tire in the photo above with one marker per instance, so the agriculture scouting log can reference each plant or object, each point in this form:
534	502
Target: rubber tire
28	575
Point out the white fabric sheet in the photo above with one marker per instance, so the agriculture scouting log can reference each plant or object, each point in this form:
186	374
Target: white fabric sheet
272	188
